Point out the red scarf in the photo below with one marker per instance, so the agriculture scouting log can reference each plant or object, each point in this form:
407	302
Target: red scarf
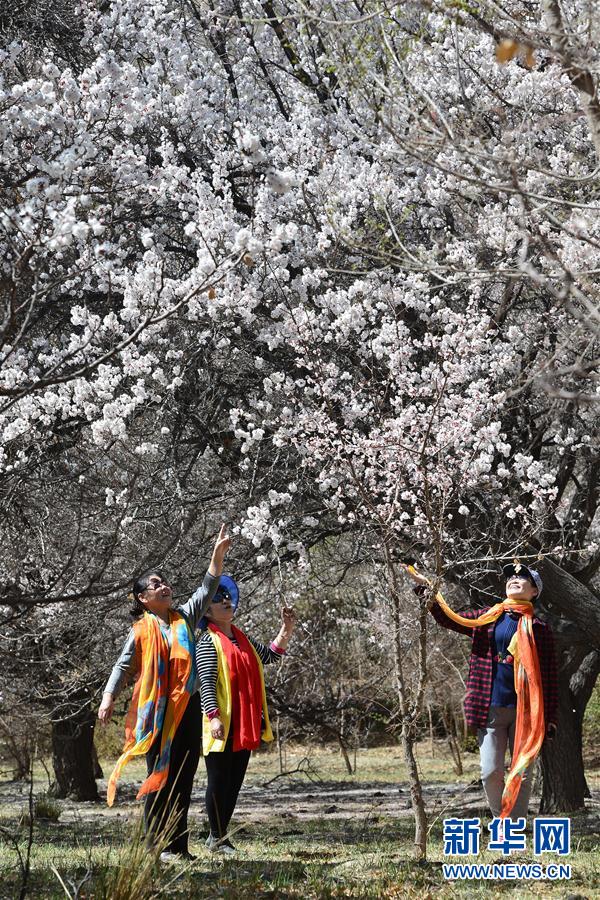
246	689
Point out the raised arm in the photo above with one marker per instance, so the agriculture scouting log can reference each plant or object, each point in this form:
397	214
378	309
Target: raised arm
288	623
442	619
270	653
422	586
200	600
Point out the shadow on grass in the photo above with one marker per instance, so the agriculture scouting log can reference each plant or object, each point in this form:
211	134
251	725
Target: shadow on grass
243	878
313	877
370	830
68	835
321	857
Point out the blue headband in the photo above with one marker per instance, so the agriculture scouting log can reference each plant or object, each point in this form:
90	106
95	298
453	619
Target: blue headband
226	585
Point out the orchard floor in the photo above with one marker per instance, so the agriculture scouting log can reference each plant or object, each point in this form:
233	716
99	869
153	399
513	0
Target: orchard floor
318	833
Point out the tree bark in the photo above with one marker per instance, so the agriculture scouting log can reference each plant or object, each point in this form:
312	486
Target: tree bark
564	785
98	773
410	712
344	752
407	739
19	748
431	741
564	595
73	756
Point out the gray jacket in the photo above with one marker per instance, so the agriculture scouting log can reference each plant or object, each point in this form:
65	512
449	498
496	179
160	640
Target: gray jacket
193	611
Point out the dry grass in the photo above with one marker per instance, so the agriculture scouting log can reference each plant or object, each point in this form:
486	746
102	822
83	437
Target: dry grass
296	849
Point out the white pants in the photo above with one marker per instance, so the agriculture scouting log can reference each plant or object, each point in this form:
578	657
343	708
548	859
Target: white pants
493	741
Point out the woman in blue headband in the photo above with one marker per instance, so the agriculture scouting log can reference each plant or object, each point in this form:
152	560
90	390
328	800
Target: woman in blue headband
235	715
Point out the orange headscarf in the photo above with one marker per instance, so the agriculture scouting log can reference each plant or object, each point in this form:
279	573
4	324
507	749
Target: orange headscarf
530	726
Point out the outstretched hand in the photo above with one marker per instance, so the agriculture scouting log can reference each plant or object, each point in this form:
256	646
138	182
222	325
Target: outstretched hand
416	576
222	545
288	619
288	623
419	581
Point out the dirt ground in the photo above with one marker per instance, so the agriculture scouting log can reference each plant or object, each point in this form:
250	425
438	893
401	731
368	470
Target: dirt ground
319	788
316	832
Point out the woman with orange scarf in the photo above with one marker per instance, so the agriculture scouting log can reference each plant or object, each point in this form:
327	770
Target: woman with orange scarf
164	718
236	718
512	685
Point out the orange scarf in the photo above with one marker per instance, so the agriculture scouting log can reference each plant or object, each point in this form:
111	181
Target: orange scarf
530	725
160	696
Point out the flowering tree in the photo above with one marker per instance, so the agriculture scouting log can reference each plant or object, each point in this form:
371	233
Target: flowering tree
333	274
430	353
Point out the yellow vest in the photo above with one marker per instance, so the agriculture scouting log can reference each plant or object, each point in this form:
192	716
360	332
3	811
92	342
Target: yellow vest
217	745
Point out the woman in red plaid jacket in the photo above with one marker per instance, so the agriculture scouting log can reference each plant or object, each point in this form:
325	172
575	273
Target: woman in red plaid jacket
491	699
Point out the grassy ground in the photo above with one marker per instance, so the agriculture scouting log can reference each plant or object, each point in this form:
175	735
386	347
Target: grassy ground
330	835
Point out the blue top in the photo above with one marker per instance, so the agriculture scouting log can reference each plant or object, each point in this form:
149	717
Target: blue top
503	670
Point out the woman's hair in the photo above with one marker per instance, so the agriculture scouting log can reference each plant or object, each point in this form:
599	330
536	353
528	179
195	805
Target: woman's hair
140	583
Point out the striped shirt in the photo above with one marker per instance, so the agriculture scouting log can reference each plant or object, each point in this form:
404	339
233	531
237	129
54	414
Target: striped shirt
207	667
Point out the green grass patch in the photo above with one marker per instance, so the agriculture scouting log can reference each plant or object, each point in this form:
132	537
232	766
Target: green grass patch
294	849
318	859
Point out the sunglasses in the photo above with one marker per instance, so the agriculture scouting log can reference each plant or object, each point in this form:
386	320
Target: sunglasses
154	585
221	596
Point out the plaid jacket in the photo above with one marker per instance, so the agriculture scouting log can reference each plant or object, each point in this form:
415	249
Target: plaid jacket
479	681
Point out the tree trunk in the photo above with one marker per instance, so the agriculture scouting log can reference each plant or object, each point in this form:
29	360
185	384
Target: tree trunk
19	747
344	753
431	741
564	785
279	745
411	712
98	773
577	602
407	738
583	683
73	756
452	737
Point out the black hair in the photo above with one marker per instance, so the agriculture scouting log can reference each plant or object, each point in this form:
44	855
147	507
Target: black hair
140	584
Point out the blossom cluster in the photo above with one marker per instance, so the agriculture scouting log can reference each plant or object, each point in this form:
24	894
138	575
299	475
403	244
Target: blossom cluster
376	261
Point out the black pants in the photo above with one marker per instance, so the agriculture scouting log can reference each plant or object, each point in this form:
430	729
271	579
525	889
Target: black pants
176	793
225	772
